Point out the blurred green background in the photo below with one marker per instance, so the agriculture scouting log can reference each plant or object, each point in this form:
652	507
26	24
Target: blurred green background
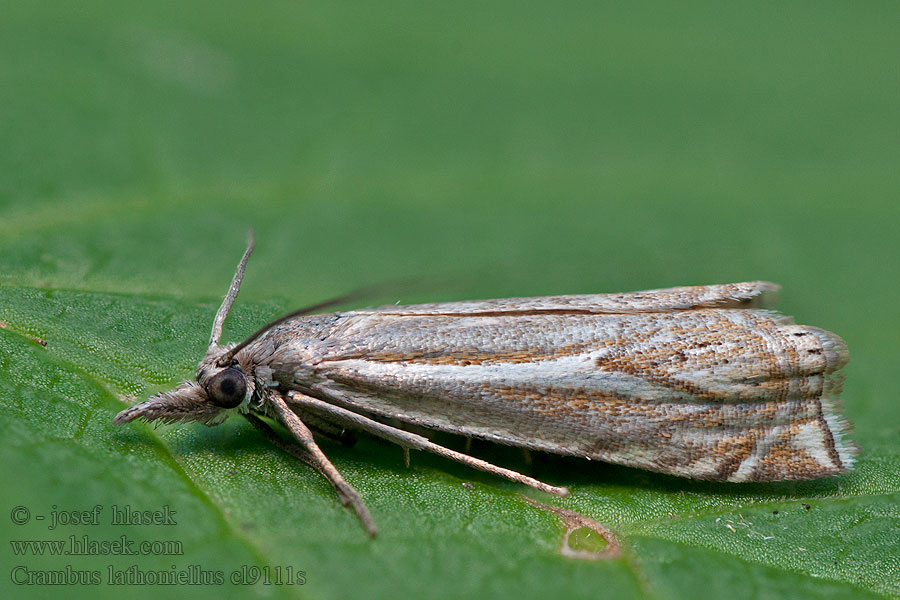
477	150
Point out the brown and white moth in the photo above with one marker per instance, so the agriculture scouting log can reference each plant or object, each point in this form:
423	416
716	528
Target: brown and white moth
700	382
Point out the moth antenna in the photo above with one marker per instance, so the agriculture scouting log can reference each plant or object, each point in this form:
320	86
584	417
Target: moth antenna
232	293
225	359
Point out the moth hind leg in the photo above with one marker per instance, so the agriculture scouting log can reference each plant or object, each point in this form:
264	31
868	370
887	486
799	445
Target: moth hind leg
408	439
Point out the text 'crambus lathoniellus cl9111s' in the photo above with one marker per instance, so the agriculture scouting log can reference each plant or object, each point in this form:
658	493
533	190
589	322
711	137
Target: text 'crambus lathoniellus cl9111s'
700	382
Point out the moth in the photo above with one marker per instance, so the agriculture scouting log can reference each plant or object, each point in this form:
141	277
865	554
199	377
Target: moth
701	382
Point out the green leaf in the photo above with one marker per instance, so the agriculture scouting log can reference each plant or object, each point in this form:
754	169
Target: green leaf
240	502
478	151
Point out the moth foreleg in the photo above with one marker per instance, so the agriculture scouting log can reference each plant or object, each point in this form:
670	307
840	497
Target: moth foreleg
292	449
317	458
412	440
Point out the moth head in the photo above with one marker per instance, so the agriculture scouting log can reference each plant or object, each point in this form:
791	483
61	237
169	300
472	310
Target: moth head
217	393
222	386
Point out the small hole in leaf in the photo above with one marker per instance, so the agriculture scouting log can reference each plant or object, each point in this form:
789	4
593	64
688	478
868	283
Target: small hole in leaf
585	539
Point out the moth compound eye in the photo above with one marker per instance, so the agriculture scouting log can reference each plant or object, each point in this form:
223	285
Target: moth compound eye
227	388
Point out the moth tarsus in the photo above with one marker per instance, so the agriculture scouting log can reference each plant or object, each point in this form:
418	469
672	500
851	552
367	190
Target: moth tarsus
702	382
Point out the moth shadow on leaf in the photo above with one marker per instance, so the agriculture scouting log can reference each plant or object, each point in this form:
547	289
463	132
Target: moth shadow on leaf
579	475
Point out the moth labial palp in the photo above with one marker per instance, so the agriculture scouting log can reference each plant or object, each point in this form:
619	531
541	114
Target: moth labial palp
702	382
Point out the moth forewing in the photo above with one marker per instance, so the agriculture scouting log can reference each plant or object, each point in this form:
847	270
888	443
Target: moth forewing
699	382
729	394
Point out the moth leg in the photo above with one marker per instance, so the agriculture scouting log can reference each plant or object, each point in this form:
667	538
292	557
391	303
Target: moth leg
317	458
415	441
327	429
526	456
262	427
